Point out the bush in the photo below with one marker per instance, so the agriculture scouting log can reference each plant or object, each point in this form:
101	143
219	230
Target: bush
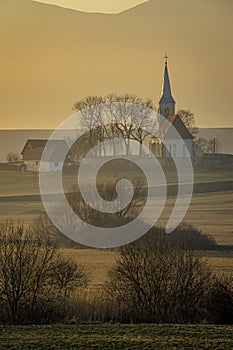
153	282
221	301
12	157
185	236
32	274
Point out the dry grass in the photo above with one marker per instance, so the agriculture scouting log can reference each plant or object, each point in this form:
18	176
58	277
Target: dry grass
210	212
221	265
20	211
97	261
14	182
100	261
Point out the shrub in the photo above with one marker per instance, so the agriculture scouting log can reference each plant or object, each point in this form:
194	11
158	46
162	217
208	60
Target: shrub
221	300
32	273
153	282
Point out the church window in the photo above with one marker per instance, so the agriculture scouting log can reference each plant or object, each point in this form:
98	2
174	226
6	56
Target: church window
174	150
184	151
170	149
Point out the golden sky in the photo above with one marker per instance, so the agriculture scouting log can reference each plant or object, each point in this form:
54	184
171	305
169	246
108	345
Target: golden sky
108	6
51	57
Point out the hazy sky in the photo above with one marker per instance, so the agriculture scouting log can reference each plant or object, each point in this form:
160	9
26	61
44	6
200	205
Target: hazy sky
52	57
109	6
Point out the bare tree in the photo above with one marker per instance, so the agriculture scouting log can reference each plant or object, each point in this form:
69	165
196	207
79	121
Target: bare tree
209	146
91	112
29	270
12	157
24	263
108	192
128	120
189	120
67	276
154	283
135	117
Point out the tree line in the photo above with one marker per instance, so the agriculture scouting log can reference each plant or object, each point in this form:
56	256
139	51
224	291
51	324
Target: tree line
135	123
155	279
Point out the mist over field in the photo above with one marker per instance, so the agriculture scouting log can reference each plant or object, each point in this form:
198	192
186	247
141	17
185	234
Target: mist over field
14	140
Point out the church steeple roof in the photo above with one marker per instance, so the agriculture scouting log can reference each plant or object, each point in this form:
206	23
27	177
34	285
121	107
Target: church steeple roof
166	95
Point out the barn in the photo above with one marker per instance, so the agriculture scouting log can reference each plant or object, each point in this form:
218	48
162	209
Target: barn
33	150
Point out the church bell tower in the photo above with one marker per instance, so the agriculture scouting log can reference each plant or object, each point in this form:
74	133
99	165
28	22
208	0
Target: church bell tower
167	102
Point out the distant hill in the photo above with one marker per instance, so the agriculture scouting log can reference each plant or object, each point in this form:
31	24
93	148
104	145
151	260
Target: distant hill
52	56
14	140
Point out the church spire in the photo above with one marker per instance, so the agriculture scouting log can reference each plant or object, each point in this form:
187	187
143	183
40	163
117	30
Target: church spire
167	102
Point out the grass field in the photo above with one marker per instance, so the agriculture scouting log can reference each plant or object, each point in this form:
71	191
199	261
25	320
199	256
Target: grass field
108	337
25	211
210	212
14	182
99	261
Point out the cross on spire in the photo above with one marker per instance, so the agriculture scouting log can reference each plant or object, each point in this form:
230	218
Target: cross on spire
167	102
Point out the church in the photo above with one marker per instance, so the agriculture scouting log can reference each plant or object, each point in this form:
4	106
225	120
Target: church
167	146
174	146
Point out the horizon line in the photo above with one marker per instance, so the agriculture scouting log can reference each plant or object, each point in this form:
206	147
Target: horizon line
48	129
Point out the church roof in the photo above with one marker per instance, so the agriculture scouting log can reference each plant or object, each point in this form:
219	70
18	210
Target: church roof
166	95
166	131
176	121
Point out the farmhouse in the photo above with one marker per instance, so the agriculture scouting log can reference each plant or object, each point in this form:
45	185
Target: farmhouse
33	150
174	146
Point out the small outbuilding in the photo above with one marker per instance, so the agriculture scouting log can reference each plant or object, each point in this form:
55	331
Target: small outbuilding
33	150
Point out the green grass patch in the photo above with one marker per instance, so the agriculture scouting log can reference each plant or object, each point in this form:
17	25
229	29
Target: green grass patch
161	337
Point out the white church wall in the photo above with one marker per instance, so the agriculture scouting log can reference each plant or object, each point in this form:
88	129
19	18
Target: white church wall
176	148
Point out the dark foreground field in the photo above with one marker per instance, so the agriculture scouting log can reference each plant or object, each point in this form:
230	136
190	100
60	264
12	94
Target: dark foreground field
117	337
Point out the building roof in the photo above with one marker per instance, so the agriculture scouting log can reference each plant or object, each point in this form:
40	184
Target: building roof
169	133
33	149
34	144
166	95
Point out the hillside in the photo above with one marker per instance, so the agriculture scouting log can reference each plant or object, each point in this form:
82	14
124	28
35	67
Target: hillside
51	56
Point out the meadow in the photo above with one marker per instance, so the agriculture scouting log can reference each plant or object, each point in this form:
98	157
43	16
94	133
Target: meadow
107	336
15	183
100	261
210	212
